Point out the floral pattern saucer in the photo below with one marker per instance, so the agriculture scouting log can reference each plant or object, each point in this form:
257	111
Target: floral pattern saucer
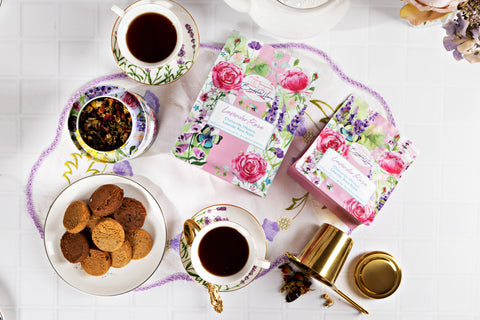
176	68
232	213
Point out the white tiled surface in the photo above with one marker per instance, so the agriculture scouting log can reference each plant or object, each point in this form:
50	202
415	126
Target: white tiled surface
50	48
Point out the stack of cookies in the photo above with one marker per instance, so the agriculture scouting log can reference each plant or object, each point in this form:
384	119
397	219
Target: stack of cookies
106	232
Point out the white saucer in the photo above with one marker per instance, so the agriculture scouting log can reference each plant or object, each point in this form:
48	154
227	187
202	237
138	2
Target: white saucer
286	21
231	213
176	68
115	281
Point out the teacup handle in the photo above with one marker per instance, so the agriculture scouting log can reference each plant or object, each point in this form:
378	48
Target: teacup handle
262	263
119	11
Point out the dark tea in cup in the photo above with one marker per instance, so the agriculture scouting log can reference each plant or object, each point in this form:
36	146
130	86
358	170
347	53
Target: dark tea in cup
223	251
151	37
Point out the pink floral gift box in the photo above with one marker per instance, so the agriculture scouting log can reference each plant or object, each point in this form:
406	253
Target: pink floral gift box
246	114
355	163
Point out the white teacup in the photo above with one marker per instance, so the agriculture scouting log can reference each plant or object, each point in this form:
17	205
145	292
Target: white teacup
130	15
205	236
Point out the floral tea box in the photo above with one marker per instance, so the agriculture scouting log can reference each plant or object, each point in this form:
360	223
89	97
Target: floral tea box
355	163
246	114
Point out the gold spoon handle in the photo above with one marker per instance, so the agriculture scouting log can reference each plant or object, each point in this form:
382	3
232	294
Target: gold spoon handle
215	298
353	303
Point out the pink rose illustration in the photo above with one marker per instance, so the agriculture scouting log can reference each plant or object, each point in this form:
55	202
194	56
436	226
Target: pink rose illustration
249	167
294	80
130	100
331	139
227	75
365	214
391	162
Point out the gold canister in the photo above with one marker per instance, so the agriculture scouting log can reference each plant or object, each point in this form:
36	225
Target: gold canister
325	253
324	256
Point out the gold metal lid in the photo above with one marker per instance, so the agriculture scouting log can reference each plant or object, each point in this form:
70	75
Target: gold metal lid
377	274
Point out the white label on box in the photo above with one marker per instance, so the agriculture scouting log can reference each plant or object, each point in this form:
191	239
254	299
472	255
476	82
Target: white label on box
349	178
241	124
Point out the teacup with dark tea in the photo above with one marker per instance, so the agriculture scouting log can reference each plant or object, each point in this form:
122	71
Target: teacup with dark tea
224	252
149	35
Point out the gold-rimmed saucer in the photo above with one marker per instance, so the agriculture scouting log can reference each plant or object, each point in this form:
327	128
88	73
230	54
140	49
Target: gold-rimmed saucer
176	68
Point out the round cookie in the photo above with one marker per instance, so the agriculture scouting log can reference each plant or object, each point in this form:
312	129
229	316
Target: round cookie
131	214
108	235
74	246
141	243
105	200
76	216
97	262
122	256
92	222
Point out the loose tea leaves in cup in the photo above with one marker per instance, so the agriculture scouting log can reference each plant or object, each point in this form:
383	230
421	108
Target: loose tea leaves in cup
105	124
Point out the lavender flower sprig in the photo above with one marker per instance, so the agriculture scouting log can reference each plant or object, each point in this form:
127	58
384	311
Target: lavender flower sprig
293	125
272	112
281	119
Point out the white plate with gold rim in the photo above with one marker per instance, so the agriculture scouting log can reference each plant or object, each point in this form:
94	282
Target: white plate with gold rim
115	281
235	214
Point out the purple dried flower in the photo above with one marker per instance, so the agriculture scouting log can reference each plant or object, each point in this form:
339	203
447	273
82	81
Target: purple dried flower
255	45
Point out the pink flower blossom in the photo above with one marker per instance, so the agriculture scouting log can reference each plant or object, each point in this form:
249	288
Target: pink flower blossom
227	75
294	80
364	214
331	139
391	162
249	167
130	100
